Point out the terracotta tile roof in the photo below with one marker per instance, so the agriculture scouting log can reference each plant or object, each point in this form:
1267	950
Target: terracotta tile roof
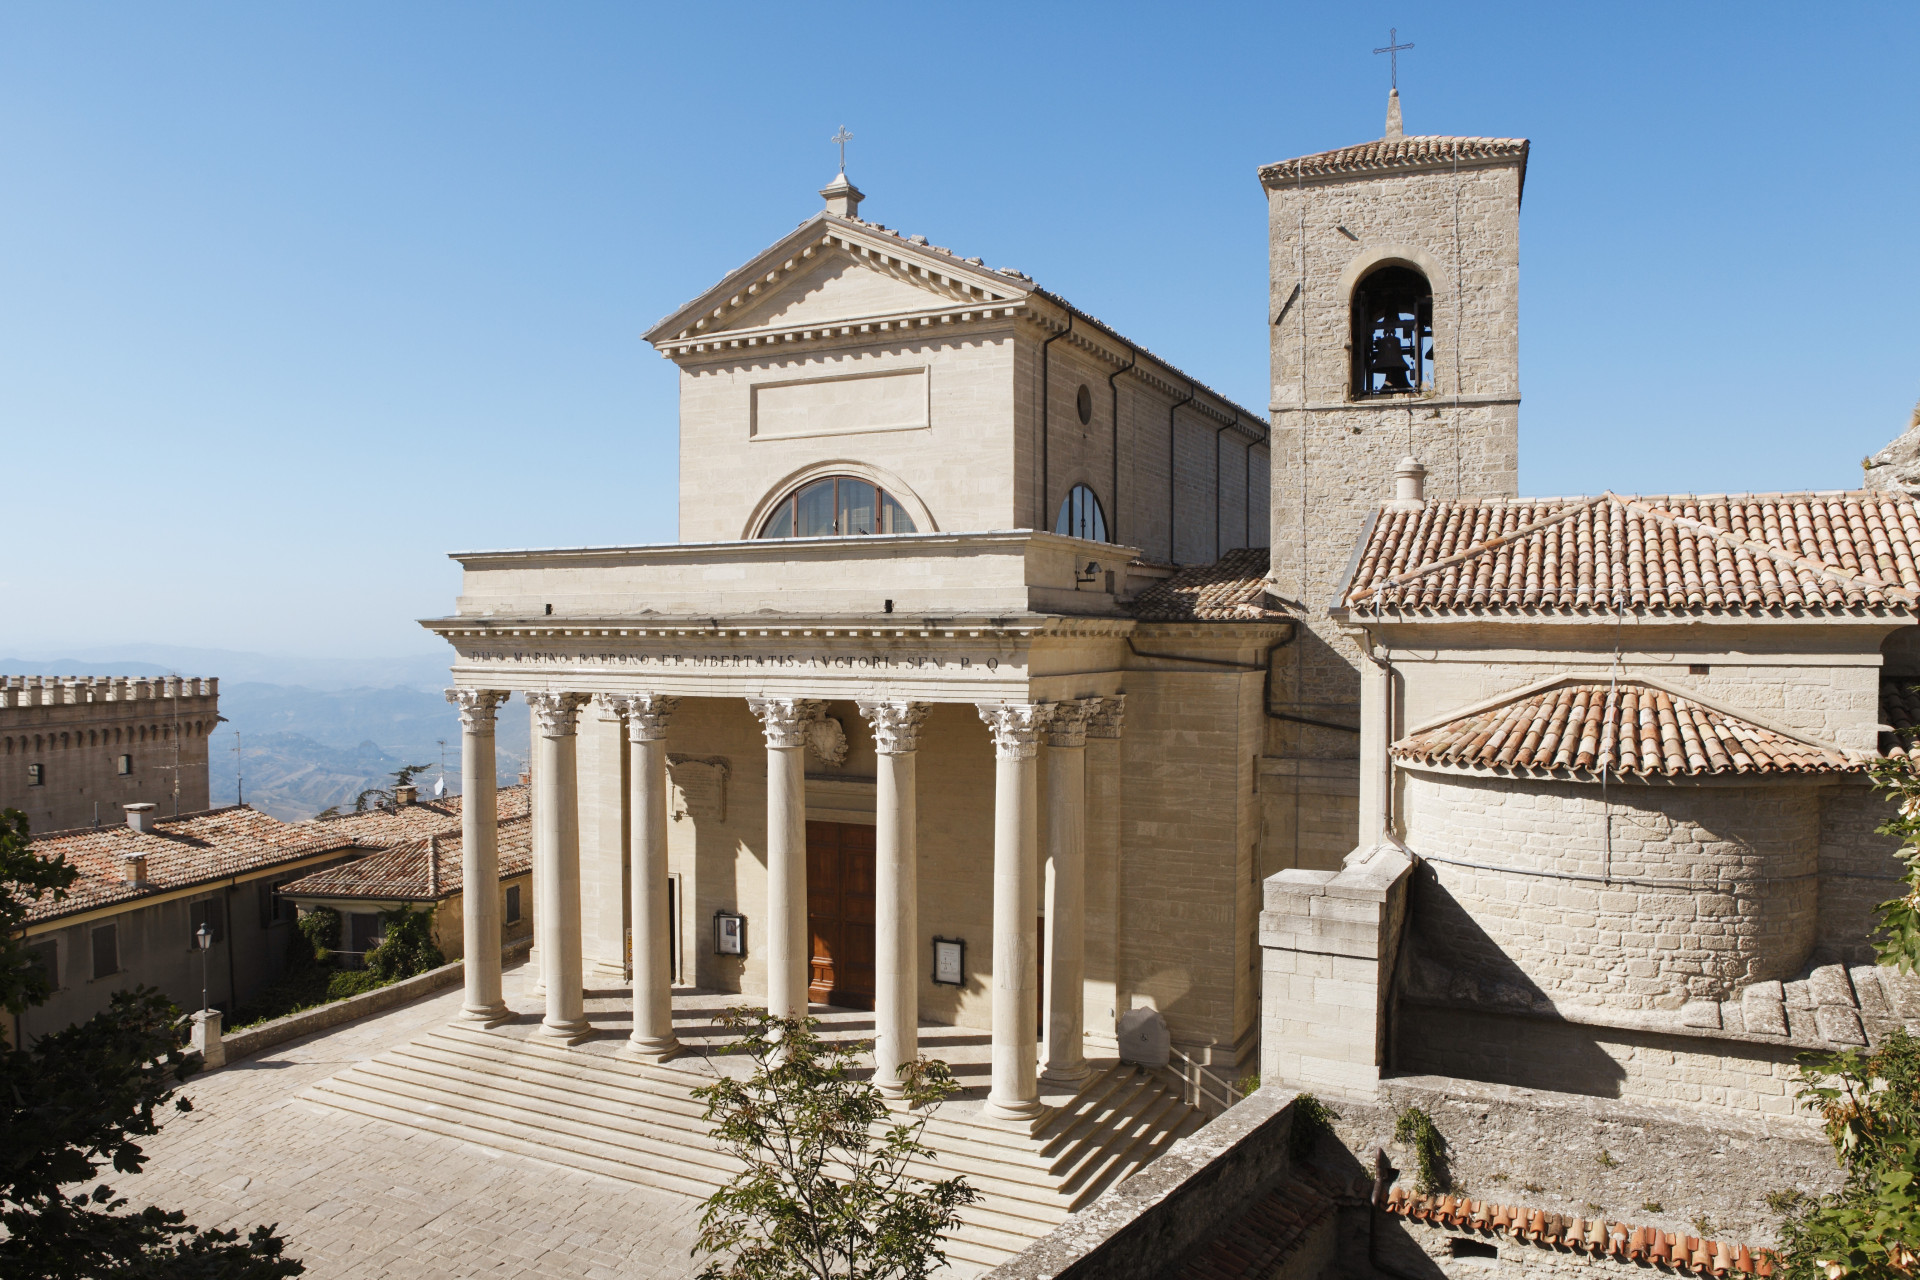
1425	152
195	848
1254	1244
1617	1240
1595	727
1231	589
384	827
1797	553
1900	712
417	870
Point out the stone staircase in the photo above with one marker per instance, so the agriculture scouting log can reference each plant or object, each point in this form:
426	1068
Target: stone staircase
640	1124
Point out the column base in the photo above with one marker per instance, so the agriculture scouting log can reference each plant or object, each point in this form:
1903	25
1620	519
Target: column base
652	1050
1072	1076
564	1032
1027	1117
484	1015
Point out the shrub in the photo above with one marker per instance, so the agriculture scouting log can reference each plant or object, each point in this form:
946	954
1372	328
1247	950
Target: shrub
1415	1130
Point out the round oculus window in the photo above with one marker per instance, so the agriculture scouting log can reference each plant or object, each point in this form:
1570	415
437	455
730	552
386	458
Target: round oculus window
1084	403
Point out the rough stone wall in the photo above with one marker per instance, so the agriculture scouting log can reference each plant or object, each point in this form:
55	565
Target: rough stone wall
1645	1067
1310	811
1729	893
1604	1157
1859	869
77	729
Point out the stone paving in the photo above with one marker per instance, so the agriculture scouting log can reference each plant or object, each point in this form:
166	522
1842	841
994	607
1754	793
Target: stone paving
360	1198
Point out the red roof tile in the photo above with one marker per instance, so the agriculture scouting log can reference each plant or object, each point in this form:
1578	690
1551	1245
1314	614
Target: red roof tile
1231	589
194	848
1595	727
1744	553
392	825
417	870
1596	1236
1424	152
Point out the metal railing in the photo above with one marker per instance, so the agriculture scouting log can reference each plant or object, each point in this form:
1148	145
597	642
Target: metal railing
1200	1087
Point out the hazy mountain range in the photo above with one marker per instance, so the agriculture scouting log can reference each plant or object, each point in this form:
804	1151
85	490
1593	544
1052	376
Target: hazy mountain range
312	732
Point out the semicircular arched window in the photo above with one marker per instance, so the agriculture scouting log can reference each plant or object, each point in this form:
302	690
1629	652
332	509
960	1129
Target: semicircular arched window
1081	516
837	507
1392	333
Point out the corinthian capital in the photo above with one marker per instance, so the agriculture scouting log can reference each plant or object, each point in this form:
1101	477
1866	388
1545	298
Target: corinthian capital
556	713
785	720
647	714
1015	726
477	707
1105	721
896	725
1068	727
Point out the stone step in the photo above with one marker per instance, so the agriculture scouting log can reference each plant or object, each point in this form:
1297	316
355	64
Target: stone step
639	1123
361	1102
562	1136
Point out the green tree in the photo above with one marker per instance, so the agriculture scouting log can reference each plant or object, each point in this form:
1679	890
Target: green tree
826	1193
372	796
82	1098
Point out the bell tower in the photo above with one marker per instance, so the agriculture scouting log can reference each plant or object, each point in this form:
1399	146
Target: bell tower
1394	329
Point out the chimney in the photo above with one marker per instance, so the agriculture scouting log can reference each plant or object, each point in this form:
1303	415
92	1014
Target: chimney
133	869
1394	130
140	816
843	198
406	793
1409	485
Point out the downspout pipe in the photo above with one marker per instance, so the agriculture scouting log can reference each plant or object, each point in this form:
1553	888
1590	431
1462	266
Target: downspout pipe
1217	496
1046	401
1113	413
1173	460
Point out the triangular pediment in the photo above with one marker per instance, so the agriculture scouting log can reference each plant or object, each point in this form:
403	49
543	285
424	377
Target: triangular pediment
836	270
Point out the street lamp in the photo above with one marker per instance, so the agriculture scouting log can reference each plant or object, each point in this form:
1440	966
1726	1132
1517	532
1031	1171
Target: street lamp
203	938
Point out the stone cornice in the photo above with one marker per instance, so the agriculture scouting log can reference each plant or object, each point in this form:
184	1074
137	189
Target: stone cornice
588	630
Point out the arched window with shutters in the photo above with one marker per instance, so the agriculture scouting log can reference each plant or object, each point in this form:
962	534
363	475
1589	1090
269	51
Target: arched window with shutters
836	507
1081	516
1392	333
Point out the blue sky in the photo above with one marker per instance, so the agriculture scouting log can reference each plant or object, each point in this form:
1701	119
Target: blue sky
296	298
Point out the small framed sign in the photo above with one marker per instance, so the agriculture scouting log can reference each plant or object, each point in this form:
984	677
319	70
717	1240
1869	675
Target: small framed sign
950	962
729	933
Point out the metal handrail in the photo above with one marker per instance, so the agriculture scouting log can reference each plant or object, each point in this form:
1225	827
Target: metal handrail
1203	1089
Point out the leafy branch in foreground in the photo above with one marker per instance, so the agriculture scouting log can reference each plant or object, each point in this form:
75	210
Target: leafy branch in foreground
826	1193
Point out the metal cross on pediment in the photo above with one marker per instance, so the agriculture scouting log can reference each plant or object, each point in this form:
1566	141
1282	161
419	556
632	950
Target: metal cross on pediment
843	138
1392	50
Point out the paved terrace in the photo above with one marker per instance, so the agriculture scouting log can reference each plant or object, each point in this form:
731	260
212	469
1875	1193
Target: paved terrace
358	1197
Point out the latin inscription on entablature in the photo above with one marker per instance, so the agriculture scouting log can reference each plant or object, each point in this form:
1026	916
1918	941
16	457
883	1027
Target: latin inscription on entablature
736	661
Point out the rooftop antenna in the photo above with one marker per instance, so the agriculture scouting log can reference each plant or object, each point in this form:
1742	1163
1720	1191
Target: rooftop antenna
239	777
174	768
440	786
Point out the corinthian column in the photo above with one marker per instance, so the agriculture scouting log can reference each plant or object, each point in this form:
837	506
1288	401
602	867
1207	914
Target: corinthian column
896	976
479	855
1014	1094
556	895
1067	889
653	1038
785	722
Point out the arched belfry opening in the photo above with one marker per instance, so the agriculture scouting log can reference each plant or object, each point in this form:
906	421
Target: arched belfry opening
1392	333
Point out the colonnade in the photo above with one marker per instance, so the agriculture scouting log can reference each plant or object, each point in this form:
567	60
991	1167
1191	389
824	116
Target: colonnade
1016	728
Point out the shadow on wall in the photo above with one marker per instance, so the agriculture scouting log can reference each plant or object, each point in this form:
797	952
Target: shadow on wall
1465	1008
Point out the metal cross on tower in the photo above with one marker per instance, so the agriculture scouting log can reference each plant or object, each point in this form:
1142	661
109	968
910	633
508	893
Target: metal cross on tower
1392	50
843	138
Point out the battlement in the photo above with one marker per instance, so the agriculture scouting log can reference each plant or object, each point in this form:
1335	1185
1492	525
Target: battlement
64	691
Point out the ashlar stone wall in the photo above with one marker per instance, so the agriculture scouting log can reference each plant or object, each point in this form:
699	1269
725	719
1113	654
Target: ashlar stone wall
1646	897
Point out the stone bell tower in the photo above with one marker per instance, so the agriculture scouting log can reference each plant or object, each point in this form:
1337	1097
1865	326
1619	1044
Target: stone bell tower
1394	324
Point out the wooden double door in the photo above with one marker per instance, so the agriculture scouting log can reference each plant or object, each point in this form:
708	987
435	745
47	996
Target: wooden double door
840	914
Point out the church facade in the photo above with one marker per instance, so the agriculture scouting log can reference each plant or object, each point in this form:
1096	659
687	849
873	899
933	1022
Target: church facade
1008	677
